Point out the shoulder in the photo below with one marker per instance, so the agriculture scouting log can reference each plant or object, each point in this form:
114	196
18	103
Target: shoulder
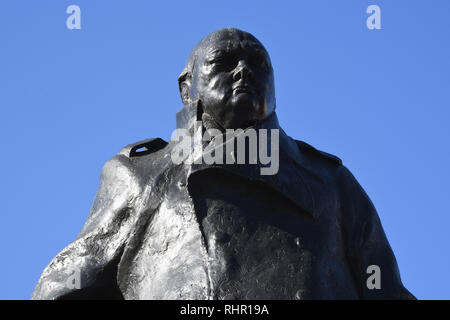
341	173
143	147
122	166
121	182
124	159
313	152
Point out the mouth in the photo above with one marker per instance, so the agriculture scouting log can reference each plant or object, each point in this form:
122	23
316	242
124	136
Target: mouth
242	88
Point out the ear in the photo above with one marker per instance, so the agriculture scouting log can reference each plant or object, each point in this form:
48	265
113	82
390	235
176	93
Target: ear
184	85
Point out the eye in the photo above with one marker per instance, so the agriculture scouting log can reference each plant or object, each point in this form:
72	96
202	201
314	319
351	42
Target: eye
226	62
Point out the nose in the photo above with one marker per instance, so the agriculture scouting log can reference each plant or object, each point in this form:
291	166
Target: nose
242	71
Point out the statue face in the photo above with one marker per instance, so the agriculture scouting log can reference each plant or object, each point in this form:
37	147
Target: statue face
233	78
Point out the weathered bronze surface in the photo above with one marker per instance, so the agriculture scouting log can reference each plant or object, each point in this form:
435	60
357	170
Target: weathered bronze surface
160	230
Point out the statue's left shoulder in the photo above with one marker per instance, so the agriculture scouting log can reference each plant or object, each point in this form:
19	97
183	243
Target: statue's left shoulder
309	149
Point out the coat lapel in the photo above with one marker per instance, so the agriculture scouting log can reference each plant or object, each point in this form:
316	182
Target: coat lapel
294	180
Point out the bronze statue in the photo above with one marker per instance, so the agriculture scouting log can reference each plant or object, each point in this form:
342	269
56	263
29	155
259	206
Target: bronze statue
193	230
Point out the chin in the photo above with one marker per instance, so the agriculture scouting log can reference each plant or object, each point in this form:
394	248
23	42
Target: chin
245	117
245	103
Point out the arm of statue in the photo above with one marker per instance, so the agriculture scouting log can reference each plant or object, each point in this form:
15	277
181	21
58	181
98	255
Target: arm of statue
367	246
87	267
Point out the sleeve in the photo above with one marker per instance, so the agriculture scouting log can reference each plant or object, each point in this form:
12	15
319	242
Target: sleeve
87	267
368	251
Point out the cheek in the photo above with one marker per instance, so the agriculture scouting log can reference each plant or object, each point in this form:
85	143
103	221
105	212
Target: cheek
218	87
216	84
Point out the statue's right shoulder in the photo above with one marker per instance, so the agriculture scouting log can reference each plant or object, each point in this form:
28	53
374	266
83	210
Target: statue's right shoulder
121	180
142	148
127	164
123	164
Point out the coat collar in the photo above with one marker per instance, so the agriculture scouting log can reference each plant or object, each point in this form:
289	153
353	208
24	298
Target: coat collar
294	180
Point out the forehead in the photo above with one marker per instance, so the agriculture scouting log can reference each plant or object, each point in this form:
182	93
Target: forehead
231	42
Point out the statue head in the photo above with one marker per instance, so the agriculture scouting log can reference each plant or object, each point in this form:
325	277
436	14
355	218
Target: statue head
229	79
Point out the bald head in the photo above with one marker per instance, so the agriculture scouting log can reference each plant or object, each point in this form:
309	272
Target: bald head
230	74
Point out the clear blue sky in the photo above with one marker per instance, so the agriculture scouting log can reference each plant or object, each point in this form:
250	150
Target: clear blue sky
71	99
